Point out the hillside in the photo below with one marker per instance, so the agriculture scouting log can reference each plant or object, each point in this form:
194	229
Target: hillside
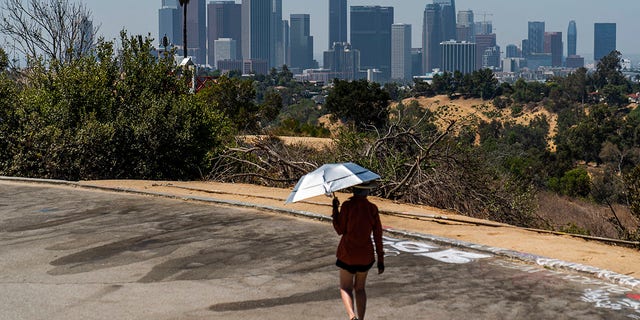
559	213
475	110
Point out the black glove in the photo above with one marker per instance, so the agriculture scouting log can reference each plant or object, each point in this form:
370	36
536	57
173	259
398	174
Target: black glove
380	267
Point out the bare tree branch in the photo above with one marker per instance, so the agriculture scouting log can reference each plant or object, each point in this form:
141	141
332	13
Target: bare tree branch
58	30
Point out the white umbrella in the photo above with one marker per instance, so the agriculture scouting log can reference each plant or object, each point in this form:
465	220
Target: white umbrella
330	178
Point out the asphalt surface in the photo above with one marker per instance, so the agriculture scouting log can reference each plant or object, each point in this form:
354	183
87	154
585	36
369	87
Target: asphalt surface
69	253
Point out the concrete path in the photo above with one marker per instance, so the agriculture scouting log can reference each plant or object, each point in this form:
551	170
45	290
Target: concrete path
68	253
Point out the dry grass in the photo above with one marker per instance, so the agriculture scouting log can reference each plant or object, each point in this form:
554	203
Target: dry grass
474	110
562	212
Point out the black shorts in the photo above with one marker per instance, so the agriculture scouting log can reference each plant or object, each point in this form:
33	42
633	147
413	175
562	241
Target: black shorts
355	268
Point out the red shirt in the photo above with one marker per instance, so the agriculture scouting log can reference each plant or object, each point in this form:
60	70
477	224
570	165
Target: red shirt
358	218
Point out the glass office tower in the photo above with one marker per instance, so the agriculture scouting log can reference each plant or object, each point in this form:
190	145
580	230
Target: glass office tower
431	38
337	21
371	35
224	22
572	38
604	40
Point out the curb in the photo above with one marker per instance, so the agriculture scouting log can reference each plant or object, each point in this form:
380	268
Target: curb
545	262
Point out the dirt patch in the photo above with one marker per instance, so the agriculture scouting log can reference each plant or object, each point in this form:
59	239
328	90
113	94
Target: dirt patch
475	110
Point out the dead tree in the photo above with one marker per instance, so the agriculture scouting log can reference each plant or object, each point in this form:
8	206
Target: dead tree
55	30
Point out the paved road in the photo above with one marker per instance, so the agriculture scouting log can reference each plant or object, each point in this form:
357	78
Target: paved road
69	253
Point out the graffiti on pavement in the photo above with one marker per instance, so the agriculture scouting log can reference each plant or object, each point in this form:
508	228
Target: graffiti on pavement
603	295
394	247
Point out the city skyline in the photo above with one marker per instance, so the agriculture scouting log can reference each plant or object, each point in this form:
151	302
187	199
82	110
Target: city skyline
509	24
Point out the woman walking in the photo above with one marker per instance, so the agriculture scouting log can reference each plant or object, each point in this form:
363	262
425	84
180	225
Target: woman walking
356	220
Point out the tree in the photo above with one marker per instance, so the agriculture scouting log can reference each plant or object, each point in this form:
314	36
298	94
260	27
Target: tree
632	181
235	98
608	71
4	60
360	102
184	4
108	116
55	29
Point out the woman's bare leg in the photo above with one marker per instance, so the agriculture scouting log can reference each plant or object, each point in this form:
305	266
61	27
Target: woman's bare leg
346	291
361	294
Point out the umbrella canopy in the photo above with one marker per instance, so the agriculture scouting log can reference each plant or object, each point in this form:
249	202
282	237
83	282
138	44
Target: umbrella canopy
330	178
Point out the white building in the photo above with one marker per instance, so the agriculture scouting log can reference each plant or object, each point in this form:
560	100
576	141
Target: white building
458	56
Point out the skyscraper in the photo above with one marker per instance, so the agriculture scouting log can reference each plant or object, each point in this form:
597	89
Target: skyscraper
536	38
448	12
553	45
466	26
512	51
277	37
170	22
343	61
458	56
226	49
256	30
371	34
197	31
416	62
224	22
401	51
483	27
491	58
431	37
483	42
301	42
572	38
604	40
337	21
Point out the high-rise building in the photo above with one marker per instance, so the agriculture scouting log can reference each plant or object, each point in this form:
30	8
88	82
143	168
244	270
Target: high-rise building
197	31
84	44
170	3
401	51
337	21
574	61
525	47
256	30
536	38
371	34
491	58
431	38
604	40
572	38
301	42
416	62
483	42
170	22
226	49
448	12
223	22
553	45
458	56
286	40
466	26
342	61
277	35
483	27
512	51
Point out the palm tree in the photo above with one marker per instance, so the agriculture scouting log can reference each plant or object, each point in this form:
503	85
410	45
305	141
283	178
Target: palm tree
184	4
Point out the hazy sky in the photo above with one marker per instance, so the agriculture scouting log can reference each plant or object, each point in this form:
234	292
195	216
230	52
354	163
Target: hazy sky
509	18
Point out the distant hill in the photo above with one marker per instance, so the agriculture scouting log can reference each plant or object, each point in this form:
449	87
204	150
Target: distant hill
475	110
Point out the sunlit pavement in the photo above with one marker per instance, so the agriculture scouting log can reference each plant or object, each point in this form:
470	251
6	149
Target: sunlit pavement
68	253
